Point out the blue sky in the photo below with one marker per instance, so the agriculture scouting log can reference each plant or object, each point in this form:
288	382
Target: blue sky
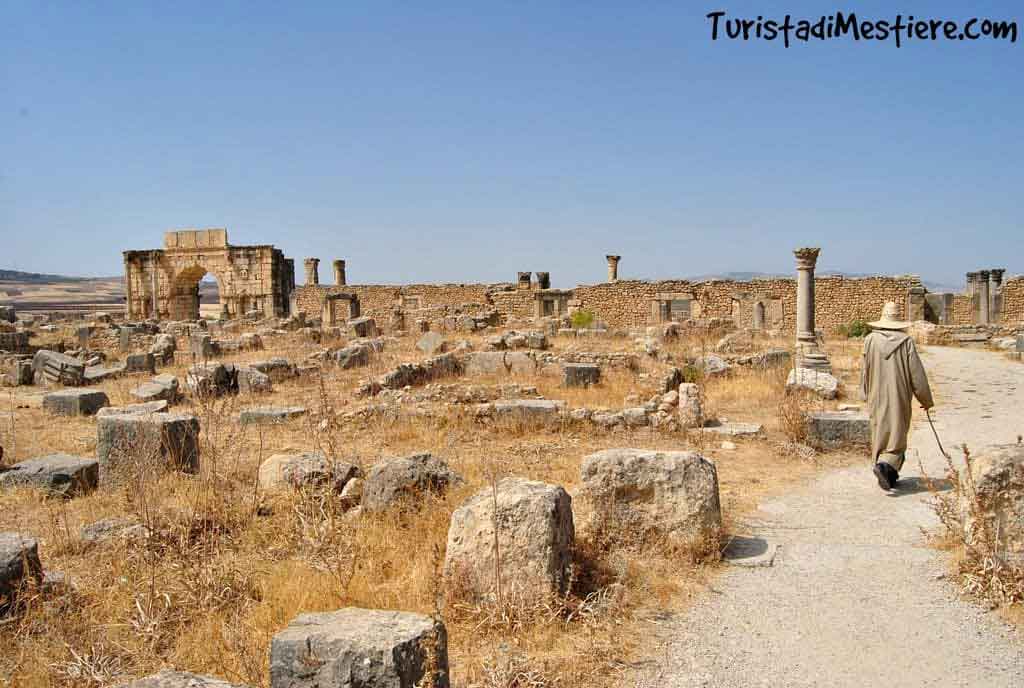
465	141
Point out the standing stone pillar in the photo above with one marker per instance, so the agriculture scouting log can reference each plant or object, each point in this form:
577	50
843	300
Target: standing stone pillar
523	280
339	273
808	353
543	280
995	286
312	270
983	302
613	268
916	303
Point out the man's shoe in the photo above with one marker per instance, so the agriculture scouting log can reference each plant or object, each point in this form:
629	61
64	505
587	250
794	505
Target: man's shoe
883	476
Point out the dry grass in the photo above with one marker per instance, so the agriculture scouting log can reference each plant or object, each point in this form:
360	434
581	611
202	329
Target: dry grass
226	566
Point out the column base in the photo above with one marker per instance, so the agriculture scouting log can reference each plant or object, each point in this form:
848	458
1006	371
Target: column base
813	359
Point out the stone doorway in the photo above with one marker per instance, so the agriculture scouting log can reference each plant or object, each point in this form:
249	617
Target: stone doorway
192	297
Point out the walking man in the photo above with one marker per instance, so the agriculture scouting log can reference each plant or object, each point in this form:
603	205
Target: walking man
891	374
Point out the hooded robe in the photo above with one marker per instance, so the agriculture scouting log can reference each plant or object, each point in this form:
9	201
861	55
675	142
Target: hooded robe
892	373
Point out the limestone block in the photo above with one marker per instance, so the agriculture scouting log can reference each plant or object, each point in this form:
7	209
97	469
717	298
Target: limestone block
75	402
353	356
52	367
535	535
270	415
212	379
580	374
500	362
279	369
690	413
59	475
252	381
140	363
836	429
406	479
162	387
711	365
432	343
305	470
998	475
143	408
200	345
363	327
180	679
360	648
823	384
161	439
528	410
674	493
19	564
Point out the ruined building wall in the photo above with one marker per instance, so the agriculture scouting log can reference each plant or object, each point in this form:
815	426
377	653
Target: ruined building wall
379	300
963	310
1013	300
515	303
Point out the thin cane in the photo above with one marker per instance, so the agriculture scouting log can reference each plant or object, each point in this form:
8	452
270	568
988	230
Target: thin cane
928	414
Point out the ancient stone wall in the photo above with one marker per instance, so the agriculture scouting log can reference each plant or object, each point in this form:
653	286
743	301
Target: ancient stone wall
963	310
379	300
1013	300
515	303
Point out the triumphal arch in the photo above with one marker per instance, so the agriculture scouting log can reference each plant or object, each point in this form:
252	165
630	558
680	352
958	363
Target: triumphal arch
164	283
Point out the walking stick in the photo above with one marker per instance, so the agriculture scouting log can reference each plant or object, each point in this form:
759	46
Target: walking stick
928	414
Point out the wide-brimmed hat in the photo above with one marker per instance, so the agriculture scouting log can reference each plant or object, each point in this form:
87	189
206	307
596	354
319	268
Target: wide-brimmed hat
888	321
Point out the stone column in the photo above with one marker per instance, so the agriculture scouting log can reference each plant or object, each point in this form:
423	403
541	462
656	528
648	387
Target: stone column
523	280
312	270
613	268
808	353
983	302
995	286
543	280
339	273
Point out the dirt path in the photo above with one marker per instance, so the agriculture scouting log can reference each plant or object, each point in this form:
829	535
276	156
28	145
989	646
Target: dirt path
855	596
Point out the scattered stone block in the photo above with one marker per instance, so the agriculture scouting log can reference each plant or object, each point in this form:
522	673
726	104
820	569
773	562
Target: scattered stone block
674	493
163	348
142	409
712	366
50	367
830	429
353	356
14	342
998	474
270	415
140	363
360	648
180	679
773	358
252	381
528	410
168	440
212	379
20	373
19	565
278	369
535	535
734	429
823	384
59	475
432	343
200	345
108	529
580	374
500	362
690	413
406	479
363	327
75	402
162	387
308	469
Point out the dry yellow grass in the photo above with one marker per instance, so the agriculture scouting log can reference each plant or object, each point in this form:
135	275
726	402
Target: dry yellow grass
229	566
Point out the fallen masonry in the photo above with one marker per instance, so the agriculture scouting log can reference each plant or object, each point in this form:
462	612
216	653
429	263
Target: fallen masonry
180	679
158	440
59	475
19	565
75	402
833	429
270	415
309	469
580	374
51	367
406	480
825	385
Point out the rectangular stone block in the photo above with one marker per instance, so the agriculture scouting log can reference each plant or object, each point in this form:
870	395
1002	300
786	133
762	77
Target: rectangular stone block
580	374
830	429
60	475
75	402
52	367
166	439
140	363
363	327
360	648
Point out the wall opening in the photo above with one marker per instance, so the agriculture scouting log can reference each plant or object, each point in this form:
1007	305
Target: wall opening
195	294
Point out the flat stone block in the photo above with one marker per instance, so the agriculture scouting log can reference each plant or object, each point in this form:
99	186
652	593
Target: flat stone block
360	648
75	402
734	429
180	679
580	374
60	475
134	409
839	428
270	415
19	563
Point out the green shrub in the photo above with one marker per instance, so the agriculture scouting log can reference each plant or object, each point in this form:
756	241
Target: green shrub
857	328
581	320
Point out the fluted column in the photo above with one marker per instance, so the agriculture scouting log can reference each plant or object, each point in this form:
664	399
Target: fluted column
312	270
339	273
983	295
613	267
995	312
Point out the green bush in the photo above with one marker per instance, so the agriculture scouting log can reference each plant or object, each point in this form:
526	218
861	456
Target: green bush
581	320
857	328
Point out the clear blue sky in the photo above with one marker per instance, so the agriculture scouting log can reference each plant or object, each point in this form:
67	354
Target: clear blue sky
442	141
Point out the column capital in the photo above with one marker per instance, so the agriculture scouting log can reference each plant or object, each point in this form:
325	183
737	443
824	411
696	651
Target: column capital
983	275
972	277
612	259
997	274
806	258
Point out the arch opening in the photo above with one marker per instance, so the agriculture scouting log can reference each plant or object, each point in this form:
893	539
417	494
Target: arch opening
195	295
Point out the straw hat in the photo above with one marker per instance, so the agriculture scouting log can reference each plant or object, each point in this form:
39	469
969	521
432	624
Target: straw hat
888	321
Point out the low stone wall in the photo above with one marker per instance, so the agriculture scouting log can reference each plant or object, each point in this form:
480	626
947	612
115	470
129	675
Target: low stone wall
1013	300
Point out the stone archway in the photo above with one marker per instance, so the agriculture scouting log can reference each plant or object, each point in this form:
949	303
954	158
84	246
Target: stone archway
165	283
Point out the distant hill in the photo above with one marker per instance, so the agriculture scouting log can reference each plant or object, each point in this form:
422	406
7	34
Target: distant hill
42	278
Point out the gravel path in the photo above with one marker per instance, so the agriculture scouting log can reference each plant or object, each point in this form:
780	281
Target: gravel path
855	596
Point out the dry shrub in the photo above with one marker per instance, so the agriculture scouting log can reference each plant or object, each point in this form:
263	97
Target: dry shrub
982	570
792	412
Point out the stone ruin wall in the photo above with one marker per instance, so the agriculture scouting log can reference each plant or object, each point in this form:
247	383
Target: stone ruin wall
963	308
626	304
1013	300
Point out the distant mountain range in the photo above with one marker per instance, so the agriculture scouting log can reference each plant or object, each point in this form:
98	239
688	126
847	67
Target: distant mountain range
936	287
42	278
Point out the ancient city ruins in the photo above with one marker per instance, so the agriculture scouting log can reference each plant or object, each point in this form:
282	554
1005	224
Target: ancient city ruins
348	484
